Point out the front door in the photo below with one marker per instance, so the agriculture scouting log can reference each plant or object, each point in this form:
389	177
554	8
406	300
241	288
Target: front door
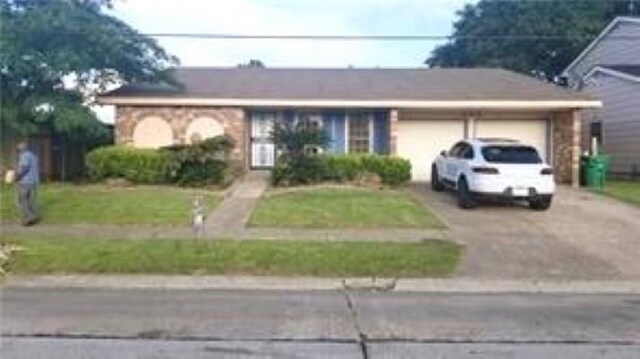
262	146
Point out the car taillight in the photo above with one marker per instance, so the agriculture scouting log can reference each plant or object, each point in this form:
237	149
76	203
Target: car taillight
546	171
486	170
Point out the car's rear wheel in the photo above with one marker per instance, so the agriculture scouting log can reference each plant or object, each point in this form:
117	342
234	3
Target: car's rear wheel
465	197
541	203
436	185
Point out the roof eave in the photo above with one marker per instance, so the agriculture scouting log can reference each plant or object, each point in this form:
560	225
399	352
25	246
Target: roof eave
431	104
595	41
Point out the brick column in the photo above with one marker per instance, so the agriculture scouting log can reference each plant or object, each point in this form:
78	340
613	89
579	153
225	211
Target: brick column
566	147
576	117
393	131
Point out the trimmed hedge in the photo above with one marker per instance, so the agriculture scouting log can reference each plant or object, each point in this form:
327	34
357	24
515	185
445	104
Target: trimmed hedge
133	164
392	171
201	164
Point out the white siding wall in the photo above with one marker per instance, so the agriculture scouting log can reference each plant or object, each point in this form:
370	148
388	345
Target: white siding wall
620	116
612	50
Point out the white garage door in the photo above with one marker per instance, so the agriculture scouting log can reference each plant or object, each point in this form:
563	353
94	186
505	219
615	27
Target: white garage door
531	132
420	141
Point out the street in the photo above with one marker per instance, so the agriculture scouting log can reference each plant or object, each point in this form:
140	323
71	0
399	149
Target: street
81	323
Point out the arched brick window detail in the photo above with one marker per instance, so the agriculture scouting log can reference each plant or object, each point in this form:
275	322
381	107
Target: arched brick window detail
152	132
202	128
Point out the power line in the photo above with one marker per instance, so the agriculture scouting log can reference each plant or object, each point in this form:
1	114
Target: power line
223	36
335	37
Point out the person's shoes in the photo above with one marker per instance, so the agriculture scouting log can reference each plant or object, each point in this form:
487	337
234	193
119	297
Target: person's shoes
30	222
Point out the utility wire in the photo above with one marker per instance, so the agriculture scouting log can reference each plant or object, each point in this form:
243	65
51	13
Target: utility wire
232	36
376	37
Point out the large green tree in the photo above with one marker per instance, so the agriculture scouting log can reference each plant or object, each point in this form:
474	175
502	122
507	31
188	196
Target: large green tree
534	37
56	54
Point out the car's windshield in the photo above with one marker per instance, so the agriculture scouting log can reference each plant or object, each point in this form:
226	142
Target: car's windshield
511	154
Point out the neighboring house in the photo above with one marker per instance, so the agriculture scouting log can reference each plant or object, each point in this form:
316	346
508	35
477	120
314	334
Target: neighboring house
412	113
609	68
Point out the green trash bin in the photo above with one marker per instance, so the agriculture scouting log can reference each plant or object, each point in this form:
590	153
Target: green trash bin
596	170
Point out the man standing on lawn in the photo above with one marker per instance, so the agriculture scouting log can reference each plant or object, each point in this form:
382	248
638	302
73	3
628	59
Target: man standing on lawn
27	177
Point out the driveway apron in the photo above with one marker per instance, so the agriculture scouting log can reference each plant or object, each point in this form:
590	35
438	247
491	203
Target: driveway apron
582	236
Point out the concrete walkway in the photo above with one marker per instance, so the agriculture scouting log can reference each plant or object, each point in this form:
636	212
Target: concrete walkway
234	211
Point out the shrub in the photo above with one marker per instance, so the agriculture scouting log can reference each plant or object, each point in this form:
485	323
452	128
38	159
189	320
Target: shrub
133	164
203	163
391	171
299	170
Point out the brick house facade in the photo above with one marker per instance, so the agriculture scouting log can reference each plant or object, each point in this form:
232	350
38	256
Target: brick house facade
411	113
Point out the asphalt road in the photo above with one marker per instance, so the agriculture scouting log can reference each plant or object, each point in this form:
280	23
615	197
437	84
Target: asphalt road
74	323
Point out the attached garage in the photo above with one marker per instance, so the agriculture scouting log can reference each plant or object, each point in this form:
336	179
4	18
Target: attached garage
422	136
534	132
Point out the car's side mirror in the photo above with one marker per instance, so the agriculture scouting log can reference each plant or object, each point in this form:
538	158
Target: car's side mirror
443	153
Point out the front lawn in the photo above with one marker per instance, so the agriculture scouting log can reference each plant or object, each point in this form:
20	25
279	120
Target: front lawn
100	204
342	208
628	191
280	258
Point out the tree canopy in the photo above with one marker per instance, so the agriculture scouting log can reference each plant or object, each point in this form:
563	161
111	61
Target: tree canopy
55	54
535	37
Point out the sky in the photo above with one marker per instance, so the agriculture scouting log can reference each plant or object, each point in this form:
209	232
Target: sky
291	17
294	17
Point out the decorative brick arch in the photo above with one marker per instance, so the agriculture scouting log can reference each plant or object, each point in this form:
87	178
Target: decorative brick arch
202	128
152	132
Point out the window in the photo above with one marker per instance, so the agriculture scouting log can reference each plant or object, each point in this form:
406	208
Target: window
466	152
596	132
310	120
456	150
359	133
511	154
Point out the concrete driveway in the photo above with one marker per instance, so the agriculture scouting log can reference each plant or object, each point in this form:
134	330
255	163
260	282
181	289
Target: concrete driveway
582	236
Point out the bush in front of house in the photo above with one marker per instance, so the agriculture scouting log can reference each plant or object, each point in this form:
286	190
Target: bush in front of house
392	171
204	163
136	165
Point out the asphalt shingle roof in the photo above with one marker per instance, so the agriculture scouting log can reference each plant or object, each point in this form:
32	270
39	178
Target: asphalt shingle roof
353	84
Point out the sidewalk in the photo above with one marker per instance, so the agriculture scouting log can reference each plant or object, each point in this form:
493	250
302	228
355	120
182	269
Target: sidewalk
417	285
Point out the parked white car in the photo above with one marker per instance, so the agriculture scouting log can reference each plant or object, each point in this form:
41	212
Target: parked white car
494	167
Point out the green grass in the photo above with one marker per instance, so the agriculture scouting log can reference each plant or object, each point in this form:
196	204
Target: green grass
342	208
99	204
281	258
628	191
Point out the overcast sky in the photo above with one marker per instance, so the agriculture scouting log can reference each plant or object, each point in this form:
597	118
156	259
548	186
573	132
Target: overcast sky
294	17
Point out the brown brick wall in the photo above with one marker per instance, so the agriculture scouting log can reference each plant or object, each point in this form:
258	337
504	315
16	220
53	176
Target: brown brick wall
566	147
231	119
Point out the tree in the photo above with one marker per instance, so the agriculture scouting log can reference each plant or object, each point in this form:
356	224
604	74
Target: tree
535	37
56	54
253	63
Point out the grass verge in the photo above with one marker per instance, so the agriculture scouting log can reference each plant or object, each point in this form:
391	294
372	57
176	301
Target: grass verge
342	208
279	258
627	191
100	204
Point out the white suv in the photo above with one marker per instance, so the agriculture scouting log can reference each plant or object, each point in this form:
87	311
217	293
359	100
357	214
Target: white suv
494	167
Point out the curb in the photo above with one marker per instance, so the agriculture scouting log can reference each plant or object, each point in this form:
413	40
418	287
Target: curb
415	285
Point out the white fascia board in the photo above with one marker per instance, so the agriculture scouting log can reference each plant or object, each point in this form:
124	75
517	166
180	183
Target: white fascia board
465	104
611	72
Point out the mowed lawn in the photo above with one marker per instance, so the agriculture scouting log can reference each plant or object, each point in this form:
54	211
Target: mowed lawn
342	208
100	204
628	191
281	258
